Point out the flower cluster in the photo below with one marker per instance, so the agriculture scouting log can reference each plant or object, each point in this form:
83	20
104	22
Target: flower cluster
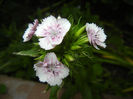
51	32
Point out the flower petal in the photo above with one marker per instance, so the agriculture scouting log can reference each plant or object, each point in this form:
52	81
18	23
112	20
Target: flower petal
63	71
44	28
91	26
30	31
64	24
45	43
56	40
27	36
102	44
40	72
54	80
51	58
102	36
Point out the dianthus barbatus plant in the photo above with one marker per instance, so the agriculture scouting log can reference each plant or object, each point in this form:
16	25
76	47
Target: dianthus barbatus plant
64	55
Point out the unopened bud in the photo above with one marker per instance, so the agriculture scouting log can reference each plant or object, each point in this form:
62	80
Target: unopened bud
69	57
81	30
75	47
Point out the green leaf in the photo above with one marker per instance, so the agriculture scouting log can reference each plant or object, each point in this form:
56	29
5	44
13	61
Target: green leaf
86	92
82	40
97	69
40	58
3	89
65	62
71	20
128	89
31	53
69	57
53	92
81	30
75	47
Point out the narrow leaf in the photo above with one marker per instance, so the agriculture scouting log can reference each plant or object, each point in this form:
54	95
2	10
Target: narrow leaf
81	30
31	53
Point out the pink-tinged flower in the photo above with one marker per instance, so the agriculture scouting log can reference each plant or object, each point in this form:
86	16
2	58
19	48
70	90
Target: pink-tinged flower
53	30
30	31
51	70
96	35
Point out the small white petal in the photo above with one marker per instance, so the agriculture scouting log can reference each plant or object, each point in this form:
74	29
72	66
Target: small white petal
101	34
64	25
51	58
26	36
91	26
64	72
40	73
54	80
96	46
101	44
30	31
45	43
43	28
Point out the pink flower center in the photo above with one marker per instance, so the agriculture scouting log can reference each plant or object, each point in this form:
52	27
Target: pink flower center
53	68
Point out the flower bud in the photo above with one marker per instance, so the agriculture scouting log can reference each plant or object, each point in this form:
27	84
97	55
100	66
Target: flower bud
75	47
36	44
80	31
69	57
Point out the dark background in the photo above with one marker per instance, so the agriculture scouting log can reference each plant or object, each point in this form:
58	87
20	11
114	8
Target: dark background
118	12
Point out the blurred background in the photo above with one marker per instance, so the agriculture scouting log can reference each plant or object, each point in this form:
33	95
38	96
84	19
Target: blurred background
115	16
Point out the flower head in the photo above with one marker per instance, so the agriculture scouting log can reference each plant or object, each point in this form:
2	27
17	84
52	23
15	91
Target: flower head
96	35
51	70
30	31
52	31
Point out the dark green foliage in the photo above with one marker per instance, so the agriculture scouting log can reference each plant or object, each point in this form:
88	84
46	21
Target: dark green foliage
3	89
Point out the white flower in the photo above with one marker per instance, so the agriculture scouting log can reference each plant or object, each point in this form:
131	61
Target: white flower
30	31
51	70
53	31
96	35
